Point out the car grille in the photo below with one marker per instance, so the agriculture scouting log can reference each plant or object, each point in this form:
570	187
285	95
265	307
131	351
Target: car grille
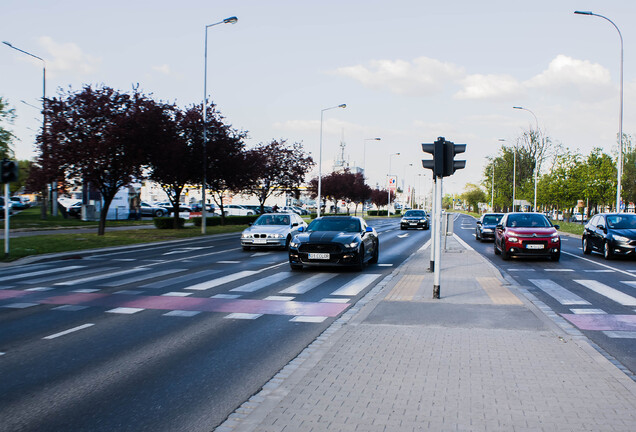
320	247
260	235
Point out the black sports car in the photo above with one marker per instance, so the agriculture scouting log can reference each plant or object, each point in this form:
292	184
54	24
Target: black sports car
334	241
611	234
414	219
486	226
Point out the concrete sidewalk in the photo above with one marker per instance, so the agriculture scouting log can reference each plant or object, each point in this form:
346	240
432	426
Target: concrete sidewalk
481	358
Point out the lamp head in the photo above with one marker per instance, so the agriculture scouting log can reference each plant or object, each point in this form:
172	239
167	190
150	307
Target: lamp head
583	12
517	107
342	106
7	44
230	20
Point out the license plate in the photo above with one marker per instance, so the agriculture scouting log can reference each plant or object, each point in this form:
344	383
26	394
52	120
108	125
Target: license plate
413	223
534	246
260	241
319	256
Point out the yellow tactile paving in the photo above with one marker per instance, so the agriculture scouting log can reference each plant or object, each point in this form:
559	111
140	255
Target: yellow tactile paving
498	293
406	288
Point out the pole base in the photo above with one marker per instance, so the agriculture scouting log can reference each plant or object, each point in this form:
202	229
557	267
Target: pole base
435	291
431	266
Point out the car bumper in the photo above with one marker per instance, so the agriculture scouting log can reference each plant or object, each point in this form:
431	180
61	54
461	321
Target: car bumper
270	242
346	258
414	225
532	248
624	249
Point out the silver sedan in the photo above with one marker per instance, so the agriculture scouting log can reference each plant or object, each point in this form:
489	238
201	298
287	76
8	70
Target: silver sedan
272	230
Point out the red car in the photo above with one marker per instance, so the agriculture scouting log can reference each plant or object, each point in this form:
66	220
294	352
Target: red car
527	234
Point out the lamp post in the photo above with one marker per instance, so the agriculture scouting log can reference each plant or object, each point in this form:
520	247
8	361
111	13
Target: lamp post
388	176
320	156
230	20
492	192
536	161
620	117
54	203
364	153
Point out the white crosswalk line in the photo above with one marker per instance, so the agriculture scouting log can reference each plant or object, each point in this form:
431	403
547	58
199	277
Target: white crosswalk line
559	293
222	280
630	283
37	273
102	276
357	285
308	284
609	292
262	283
140	278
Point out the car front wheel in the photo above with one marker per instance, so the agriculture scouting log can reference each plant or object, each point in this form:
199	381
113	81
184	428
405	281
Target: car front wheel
608	254
587	247
376	254
158	213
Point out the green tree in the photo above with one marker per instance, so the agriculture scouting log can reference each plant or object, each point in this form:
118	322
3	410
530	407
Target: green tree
601	181
474	195
6	137
629	170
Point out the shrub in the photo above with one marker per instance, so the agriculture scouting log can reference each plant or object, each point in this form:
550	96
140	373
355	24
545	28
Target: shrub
167	222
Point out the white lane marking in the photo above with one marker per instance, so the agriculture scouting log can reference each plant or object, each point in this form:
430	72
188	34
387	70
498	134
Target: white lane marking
65	332
620	334
334	300
125	259
86	290
588	311
185	250
1	353
178	279
19	305
558	270
403	235
128	292
630	283
279	298
245	316
182	313
356	286
70	308
125	310
257	254
559	293
308	284
385	265
609	292
40	289
599	271
262	283
102	276
520	270
140	278
41	272
600	264
176	294
228	262
308	319
222	280
226	296
70	275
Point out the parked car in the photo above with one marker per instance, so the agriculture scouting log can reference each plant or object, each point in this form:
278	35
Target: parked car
237	210
611	234
19	204
414	219
486	226
2	207
272	230
167	205
527	234
152	210
578	217
335	241
74	208
295	209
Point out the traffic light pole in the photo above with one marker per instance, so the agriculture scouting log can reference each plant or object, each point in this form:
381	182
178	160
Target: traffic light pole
431	266
6	220
437	245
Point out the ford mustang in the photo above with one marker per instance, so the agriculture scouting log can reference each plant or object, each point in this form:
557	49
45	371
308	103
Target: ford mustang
334	241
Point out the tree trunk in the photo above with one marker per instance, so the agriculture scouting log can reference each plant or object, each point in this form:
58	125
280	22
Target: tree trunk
102	215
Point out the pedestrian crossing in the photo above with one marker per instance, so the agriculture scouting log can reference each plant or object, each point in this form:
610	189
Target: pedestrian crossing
188	293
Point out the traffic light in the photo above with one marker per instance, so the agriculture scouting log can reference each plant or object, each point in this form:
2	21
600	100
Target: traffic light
8	171
450	164
437	150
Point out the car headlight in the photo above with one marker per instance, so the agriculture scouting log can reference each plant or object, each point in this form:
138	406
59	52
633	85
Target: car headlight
513	239
620	238
403	221
422	220
294	243
247	236
352	245
276	236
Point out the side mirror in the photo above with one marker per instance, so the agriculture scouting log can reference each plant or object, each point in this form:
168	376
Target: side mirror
368	229
295	224
478	222
557	226
499	226
301	229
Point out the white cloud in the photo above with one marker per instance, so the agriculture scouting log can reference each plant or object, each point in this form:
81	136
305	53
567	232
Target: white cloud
422	76
577	79
493	87
68	57
164	69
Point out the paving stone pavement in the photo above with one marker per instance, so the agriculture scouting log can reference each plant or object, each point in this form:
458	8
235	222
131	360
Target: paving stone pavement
481	358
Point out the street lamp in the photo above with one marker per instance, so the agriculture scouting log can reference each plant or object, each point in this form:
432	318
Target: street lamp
620	118
388	176
536	161
54	204
364	154
320	156
230	20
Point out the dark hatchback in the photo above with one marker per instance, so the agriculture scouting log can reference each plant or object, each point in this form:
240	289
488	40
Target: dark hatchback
612	234
527	234
334	241
414	219
486	226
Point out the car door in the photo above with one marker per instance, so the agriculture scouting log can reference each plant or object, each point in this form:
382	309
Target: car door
368	240
598	235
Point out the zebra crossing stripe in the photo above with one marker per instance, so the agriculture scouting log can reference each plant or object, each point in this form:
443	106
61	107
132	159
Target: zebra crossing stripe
609	292
559	293
262	283
222	280
37	273
102	276
308	284
356	286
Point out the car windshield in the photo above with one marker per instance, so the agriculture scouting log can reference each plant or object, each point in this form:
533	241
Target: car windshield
622	221
272	220
415	213
527	221
492	219
341	225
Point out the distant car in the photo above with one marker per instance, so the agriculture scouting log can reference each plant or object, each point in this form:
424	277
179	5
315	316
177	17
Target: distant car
167	205
152	210
2	207
272	230
296	209
486	226
237	210
335	241
611	234
578	217
414	219
19	204
527	234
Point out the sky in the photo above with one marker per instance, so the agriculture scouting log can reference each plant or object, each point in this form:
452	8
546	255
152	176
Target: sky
409	71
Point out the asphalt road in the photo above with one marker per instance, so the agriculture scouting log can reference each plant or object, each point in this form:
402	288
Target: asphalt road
596	296
164	337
